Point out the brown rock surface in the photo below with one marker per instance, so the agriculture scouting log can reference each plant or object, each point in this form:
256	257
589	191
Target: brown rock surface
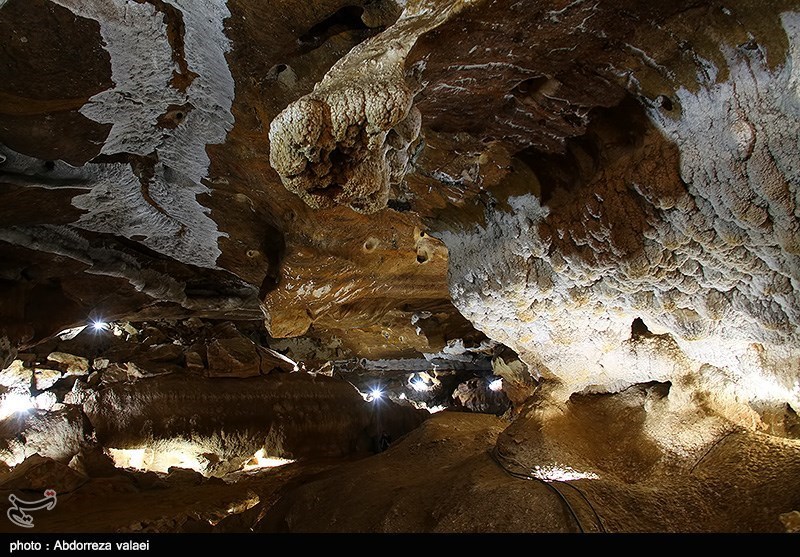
233	357
440	478
594	201
287	415
37	473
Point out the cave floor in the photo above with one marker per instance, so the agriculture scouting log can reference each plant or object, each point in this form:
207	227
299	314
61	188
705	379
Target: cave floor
182	502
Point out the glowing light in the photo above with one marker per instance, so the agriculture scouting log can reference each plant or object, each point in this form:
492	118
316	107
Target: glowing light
128	458
373	395
287	359
496	385
556	473
434	409
420	385
159	459
99	325
260	460
14	403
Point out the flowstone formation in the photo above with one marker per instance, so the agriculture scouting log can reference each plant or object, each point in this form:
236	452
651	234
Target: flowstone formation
351	140
674	260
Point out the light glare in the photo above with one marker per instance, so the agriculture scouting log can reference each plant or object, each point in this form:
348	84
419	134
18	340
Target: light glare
420	385
496	385
157	459
556	473
14	403
263	461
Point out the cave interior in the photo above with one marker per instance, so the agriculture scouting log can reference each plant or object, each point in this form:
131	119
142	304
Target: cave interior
400	266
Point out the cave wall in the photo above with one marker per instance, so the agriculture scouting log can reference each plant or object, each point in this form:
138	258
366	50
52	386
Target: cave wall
679	214
594	201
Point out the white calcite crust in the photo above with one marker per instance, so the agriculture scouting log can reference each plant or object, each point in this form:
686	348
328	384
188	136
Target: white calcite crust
168	216
709	263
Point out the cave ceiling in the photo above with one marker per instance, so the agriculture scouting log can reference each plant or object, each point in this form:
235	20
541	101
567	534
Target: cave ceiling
579	197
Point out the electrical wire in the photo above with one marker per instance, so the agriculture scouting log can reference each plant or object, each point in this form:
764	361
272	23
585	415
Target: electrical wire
589	503
496	456
711	448
600	523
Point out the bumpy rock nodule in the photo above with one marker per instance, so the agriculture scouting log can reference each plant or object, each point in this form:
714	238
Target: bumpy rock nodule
350	140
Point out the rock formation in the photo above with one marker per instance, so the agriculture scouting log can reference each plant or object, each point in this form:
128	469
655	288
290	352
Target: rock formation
235	234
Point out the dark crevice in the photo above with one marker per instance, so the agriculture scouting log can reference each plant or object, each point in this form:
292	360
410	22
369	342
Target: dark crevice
275	250
610	132
135	246
182	77
399	206
529	86
663	101
639	329
330	191
345	19
337	158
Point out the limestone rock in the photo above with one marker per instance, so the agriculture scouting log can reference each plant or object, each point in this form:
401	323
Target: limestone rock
45	378
80	391
233	357
184	476
476	396
58	434
113	373
156	360
16	375
38	473
94	463
439	478
608	189
561	282
791	521
290	415
167	352
74	365
7	352
99	364
518	385
349	141
194	361
45	401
